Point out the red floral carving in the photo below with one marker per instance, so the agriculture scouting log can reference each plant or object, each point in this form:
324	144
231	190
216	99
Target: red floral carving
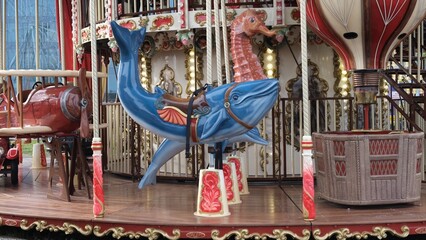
162	22
210	193
201	18
130	24
227	172
237	163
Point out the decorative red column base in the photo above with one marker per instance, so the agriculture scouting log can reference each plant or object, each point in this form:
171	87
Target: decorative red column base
308	180
241	174
231	183
98	190
211	199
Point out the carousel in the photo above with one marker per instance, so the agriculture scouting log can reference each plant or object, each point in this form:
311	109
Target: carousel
216	120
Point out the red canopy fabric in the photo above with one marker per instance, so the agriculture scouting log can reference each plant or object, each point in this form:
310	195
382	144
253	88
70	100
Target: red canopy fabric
69	48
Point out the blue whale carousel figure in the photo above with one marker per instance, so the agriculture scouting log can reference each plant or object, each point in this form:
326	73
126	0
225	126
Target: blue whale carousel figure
225	114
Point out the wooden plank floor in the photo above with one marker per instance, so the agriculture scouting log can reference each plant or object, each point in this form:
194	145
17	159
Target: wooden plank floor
166	209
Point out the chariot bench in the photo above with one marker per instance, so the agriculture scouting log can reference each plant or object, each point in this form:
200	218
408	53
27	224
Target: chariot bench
368	167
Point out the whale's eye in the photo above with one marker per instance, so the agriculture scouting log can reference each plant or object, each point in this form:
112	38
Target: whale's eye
235	97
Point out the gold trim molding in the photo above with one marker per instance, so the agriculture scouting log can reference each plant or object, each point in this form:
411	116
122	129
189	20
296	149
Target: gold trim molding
276	234
66	227
379	232
117	232
150	233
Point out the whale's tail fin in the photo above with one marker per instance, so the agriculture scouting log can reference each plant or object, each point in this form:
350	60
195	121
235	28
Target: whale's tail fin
128	41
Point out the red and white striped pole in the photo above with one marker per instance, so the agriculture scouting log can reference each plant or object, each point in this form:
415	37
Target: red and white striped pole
98	191
308	180
308	171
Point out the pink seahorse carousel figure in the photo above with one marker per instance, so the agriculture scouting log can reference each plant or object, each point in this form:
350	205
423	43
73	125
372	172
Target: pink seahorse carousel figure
246	68
246	64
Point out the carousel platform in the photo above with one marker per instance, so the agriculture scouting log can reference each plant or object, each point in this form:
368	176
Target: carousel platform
166	211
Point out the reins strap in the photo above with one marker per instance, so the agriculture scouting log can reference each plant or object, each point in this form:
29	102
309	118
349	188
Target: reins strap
188	118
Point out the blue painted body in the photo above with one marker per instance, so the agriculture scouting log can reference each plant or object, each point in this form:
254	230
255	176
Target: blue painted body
249	101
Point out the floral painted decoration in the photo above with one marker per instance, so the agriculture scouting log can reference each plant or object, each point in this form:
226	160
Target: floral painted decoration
79	50
113	45
185	37
280	34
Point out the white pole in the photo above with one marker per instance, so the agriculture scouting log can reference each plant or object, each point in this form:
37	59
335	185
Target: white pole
94	70
37	44
218	48
225	42
308	178
209	41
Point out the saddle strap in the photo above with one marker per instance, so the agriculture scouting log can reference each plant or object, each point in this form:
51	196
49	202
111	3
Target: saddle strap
188	119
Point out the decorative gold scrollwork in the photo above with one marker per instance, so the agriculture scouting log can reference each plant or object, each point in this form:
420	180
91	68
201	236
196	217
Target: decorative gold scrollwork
150	233
318	88
341	87
168	83
143	21
276	234
276	138
145	69
345	233
263	154
66	227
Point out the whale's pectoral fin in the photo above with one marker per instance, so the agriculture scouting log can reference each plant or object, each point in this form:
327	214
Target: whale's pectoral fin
254	136
165	151
213	124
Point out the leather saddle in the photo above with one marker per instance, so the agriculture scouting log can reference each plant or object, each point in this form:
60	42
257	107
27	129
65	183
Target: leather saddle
183	103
